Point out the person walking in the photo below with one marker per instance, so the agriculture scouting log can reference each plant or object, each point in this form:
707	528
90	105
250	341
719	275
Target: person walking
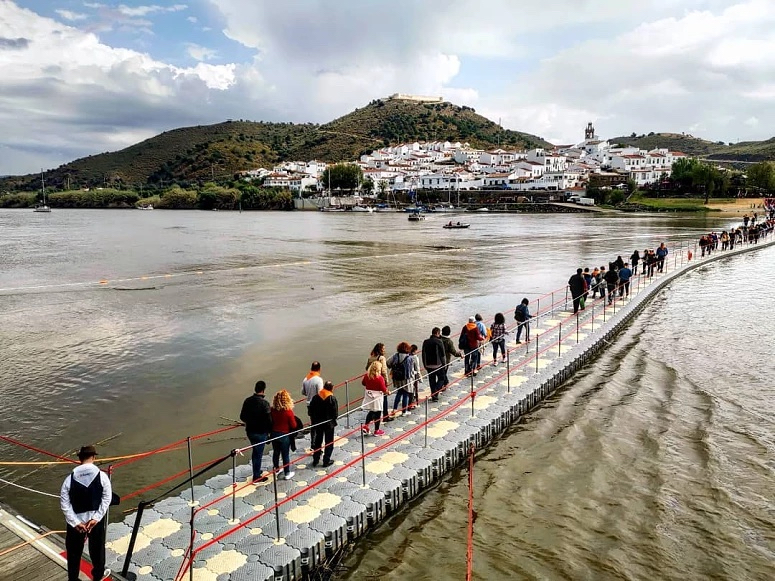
310	386
324	411
84	499
522	316
375	391
415	376
400	373
378	354
611	282
635	259
434	359
283	423
625	274
498	334
601	282
577	289
661	254
257	417
450	351
473	339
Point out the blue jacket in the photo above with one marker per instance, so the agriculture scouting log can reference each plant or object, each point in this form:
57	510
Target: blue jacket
625	274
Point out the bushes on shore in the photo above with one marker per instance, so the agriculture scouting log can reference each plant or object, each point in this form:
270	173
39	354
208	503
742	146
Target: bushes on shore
210	196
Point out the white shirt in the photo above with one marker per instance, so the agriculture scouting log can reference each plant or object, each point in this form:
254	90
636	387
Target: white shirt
85	474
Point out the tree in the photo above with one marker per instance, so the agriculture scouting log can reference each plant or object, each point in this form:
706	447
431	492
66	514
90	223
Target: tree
383	188
367	186
342	176
761	175
683	173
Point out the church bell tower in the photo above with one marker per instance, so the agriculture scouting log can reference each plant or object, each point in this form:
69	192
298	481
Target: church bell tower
589	132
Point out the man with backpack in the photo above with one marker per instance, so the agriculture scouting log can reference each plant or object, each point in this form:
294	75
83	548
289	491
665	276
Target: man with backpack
522	316
470	339
434	360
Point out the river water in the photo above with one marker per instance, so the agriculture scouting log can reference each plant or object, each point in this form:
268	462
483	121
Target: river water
656	461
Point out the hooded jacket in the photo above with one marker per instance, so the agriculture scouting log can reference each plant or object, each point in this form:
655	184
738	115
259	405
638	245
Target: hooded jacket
475	336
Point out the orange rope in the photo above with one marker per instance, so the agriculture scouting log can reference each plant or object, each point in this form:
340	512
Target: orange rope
471	517
24	544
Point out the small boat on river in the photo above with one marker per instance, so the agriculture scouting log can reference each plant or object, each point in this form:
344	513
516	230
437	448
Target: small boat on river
452	226
415	215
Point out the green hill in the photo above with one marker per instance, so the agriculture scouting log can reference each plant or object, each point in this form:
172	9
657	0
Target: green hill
195	154
688	144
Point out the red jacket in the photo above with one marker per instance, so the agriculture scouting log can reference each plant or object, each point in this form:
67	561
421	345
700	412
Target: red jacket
474	336
375	384
283	421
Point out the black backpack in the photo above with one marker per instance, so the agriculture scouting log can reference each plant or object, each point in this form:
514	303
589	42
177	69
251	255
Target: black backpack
462	342
519	313
398	370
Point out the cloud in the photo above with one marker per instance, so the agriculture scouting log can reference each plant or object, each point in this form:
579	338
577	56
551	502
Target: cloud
72	16
80	96
134	11
14	43
200	53
658	65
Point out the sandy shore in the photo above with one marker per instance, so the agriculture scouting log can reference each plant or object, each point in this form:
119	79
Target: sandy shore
741	206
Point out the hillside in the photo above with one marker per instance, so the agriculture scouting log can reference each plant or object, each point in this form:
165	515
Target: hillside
193	154
674	142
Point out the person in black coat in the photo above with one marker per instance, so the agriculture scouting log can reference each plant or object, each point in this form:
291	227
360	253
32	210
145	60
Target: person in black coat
611	282
578	287
258	424
323	412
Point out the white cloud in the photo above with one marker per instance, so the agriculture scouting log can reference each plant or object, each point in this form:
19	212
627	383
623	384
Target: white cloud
72	16
192	19
200	53
133	11
77	95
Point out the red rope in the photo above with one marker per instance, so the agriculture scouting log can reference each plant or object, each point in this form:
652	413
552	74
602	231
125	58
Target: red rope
470	547
38	450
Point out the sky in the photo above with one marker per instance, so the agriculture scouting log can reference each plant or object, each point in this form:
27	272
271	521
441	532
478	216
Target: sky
84	77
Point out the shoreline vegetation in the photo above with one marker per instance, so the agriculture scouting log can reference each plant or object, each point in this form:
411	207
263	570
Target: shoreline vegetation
249	197
208	197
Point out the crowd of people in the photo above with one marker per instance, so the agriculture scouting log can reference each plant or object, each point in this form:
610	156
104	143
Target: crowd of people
277	422
403	370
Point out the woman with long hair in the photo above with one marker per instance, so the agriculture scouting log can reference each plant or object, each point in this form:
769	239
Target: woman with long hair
378	354
283	423
498	337
376	391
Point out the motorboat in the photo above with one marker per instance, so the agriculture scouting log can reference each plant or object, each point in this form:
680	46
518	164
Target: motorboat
148	207
364	209
332	209
41	208
482	210
452	226
415	215
444	209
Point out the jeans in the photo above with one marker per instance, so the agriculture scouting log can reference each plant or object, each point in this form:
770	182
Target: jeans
498	344
611	291
577	303
624	288
526	327
385	408
634	269
281	445
258	452
436	379
323	432
403	397
74	542
473	358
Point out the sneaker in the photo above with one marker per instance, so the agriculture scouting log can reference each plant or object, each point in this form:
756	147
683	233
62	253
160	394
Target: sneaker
315	463
519	342
435	398
407	413
365	430
388	419
289	475
327	464
260	479
494	363
379	433
106	574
